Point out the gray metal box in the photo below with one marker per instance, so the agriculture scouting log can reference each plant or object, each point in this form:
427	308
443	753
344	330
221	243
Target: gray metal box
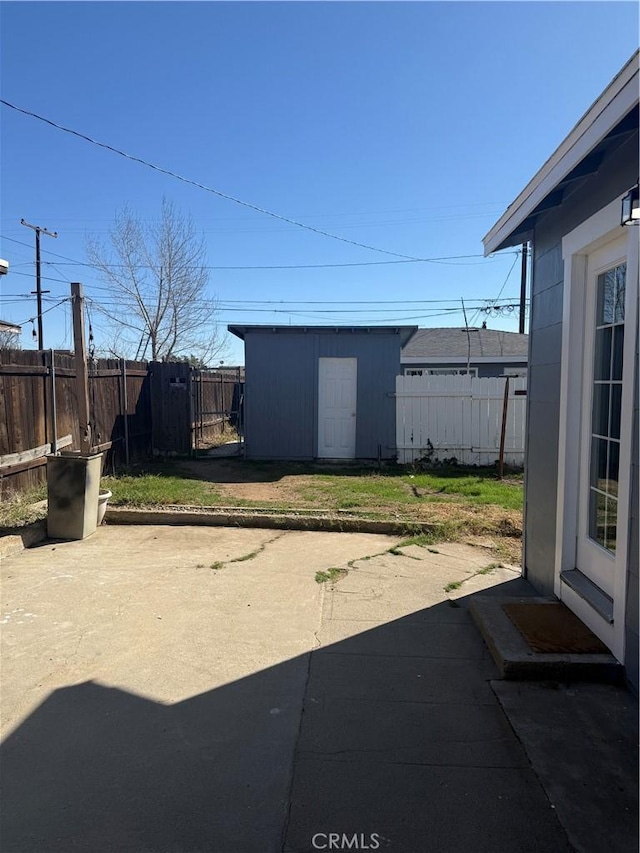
73	485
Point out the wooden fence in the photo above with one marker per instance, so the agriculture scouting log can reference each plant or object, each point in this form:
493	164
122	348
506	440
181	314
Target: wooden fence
440	417
39	411
216	404
135	409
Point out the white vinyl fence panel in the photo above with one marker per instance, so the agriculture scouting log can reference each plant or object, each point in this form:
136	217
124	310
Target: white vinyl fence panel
459	416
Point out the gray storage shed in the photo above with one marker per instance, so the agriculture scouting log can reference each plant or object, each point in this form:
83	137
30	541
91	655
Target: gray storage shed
321	392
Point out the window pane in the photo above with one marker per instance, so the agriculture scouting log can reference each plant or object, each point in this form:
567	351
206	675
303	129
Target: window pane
610	531
606	297
599	463
602	358
600	419
618	347
621	276
597	517
616	407
614	468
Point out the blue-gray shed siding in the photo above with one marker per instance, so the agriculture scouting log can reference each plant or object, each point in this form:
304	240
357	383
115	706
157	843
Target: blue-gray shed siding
614	177
281	392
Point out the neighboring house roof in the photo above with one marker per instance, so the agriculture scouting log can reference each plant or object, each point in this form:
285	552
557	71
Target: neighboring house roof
609	122
10	327
405	332
454	343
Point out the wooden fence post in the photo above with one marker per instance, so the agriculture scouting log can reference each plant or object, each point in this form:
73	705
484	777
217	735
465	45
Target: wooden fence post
54	408
124	407
82	377
505	405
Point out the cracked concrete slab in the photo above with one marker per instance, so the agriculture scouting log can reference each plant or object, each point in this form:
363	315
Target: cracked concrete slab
142	609
151	702
402	736
154	703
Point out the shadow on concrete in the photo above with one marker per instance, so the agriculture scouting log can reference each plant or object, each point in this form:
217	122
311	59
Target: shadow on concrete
238	470
401	737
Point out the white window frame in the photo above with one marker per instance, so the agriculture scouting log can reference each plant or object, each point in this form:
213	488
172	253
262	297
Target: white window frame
595	232
441	371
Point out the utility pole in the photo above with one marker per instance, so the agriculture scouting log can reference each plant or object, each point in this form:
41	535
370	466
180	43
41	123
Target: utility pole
466	325
523	287
39	291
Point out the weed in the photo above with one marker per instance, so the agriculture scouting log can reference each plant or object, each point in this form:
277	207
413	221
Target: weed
490	568
484	571
440	533
433	550
17	510
199	565
255	553
331	575
217	565
249	556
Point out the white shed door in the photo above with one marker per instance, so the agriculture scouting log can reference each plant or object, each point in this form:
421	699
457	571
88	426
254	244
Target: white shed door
337	394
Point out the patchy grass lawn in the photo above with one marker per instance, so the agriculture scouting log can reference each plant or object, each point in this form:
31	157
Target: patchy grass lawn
374	490
463	502
232	482
161	489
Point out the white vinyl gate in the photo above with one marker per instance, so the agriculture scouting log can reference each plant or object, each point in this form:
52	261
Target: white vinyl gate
440	417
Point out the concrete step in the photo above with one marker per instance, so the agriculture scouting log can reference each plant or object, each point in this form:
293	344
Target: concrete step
516	660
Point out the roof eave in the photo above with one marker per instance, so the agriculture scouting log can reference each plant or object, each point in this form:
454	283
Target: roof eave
405	332
620	96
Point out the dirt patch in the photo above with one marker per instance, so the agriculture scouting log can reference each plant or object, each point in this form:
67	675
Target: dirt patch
246	482
358	490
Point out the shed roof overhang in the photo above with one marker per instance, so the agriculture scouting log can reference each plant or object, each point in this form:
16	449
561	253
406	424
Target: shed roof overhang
405	332
609	122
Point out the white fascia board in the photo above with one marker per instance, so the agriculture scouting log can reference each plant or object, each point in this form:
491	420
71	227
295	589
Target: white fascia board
462	359
615	102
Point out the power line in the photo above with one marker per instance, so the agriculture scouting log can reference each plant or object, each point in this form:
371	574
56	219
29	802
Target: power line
294	308
445	259
349	301
44	277
497	299
42	313
204	187
464	206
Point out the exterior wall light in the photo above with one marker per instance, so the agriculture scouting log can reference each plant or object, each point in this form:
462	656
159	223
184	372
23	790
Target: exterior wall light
631	207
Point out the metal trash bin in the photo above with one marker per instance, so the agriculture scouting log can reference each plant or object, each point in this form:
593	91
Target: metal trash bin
73	485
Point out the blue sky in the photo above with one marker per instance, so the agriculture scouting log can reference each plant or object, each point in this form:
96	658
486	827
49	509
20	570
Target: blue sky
405	126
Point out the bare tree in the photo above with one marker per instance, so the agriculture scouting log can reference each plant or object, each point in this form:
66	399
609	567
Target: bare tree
158	284
9	340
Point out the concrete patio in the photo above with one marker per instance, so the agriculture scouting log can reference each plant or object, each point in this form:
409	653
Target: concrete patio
194	689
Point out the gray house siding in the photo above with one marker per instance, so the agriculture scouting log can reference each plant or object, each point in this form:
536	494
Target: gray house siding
614	177
281	392
632	640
